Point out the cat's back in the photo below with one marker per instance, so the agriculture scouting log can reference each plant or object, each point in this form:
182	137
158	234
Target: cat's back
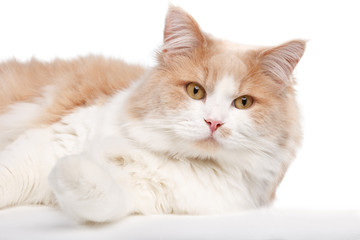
35	93
66	84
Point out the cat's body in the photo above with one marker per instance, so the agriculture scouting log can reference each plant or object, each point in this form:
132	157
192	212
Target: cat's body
126	140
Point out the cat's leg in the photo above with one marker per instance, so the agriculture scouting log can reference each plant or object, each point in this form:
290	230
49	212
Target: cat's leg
24	167
87	191
23	182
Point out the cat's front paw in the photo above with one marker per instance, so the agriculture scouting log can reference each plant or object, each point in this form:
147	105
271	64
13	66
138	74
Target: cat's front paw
86	191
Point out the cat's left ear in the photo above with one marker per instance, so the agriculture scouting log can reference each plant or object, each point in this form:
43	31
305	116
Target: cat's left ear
182	33
279	62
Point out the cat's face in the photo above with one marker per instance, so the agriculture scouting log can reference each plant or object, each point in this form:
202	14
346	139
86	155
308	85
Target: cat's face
208	94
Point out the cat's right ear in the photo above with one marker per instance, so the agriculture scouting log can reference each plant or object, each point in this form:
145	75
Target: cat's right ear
182	33
279	62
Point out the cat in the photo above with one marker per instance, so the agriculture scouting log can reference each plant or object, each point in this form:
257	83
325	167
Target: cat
211	129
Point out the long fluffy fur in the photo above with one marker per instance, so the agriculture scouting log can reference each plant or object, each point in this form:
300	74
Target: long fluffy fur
117	139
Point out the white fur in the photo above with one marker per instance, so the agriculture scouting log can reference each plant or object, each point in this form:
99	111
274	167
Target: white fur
22	116
109	166
220	101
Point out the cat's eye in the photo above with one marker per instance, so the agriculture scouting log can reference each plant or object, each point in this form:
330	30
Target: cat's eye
243	102
195	91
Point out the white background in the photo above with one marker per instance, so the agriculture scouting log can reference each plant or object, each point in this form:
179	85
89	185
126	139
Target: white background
326	173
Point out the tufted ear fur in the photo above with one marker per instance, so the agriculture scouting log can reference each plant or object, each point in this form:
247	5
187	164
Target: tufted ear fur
181	34
279	62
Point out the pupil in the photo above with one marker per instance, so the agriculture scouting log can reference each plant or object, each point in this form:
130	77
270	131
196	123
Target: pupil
244	101
196	90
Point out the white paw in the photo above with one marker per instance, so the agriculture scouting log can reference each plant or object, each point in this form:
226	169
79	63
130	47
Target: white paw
86	191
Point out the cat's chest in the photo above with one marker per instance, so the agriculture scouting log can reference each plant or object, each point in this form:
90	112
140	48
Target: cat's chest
167	185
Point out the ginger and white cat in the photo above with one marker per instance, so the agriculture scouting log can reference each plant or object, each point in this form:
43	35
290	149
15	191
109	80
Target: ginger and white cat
211	129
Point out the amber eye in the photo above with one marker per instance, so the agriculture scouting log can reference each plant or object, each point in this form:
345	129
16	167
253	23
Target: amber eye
195	91
243	102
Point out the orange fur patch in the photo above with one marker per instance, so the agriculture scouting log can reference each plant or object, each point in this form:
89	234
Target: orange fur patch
76	83
21	81
224	131
208	144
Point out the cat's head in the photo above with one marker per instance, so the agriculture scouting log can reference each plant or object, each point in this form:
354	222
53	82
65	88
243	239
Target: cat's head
208	95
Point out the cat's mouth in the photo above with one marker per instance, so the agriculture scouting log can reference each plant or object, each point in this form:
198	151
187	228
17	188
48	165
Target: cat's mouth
209	143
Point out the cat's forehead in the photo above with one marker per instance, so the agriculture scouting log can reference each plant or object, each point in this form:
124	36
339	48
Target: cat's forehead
228	59
235	47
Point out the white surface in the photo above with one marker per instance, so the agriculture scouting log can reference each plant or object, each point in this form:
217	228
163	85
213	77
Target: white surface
325	175
43	223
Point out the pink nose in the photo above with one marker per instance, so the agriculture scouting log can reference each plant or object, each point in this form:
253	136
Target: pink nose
213	124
